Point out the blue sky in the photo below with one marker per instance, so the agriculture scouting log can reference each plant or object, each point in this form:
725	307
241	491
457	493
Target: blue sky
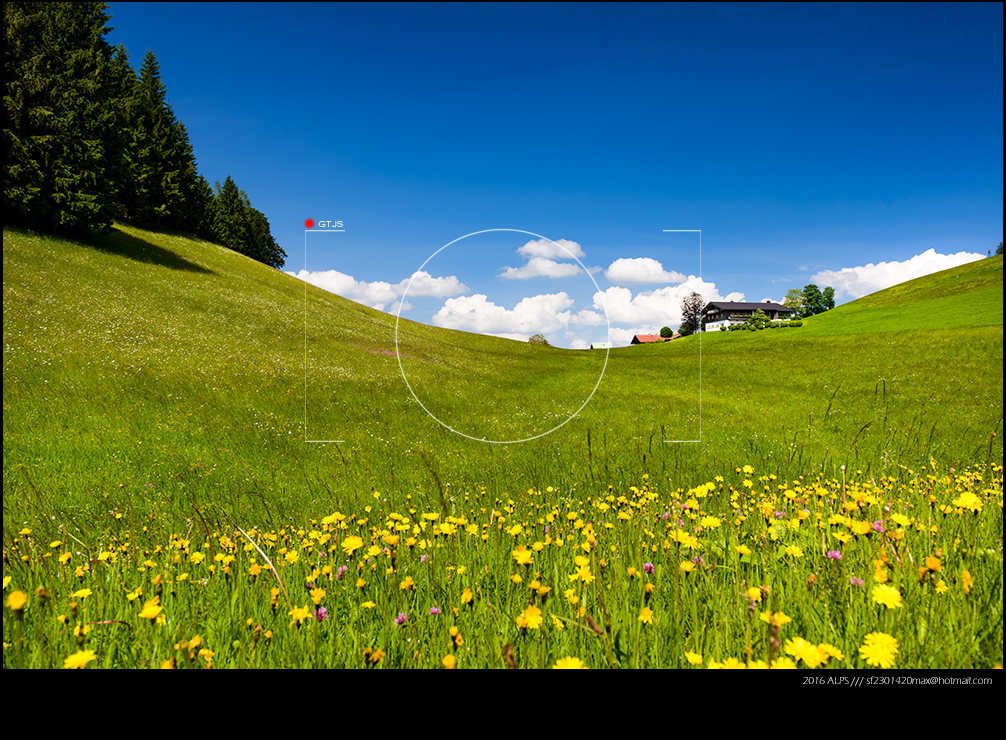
853	146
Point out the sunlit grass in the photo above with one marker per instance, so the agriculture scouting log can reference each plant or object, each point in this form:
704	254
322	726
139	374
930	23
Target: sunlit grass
156	403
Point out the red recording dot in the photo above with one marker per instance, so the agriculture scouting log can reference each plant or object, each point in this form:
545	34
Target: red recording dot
309	223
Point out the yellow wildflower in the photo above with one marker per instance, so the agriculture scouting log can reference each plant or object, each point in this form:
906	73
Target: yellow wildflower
79	659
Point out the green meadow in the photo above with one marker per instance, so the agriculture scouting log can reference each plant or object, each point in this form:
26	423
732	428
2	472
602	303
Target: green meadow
208	463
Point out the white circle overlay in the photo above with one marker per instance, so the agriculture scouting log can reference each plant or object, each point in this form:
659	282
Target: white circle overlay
401	302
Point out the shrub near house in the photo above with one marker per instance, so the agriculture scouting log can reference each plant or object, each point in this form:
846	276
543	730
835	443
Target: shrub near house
759	320
727	314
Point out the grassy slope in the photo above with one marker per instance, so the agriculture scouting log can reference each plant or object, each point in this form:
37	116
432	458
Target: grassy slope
150	370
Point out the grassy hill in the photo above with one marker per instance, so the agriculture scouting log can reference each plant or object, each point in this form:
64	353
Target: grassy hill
165	495
152	367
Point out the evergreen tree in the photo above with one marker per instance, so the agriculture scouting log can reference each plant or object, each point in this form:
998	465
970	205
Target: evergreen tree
201	208
263	247
58	71
229	228
188	212
87	140
122	86
238	226
158	149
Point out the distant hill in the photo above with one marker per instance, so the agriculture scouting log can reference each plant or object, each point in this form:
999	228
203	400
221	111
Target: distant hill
152	370
968	295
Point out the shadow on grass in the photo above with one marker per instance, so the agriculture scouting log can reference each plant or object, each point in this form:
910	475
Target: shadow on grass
126	245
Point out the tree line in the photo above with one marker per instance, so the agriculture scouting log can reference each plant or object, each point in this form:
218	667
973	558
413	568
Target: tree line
810	301
87	140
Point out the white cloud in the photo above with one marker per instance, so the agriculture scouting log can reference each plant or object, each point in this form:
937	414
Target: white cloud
557	248
380	294
540	267
855	282
650	310
532	315
638	270
587	318
399	307
623	337
440	287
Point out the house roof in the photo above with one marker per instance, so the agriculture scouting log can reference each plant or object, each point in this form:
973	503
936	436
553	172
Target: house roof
642	338
734	306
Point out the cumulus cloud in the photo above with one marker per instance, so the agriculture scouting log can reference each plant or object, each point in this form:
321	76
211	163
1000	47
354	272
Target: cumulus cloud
532	315
380	294
555	248
855	282
440	287
638	270
650	310
623	337
540	267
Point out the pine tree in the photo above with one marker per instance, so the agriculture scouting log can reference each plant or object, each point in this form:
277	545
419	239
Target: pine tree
201	208
229	228
122	87
57	108
239	226
155	156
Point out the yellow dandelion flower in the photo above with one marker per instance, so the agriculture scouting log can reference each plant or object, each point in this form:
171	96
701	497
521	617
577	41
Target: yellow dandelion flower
776	620
569	663
887	595
831	651
694	658
784	663
879	649
968	500
79	659
298	614
449	661
522	556
151	609
351	544
17	601
646	616
530	618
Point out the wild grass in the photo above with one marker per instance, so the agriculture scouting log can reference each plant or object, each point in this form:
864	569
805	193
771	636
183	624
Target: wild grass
158	393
